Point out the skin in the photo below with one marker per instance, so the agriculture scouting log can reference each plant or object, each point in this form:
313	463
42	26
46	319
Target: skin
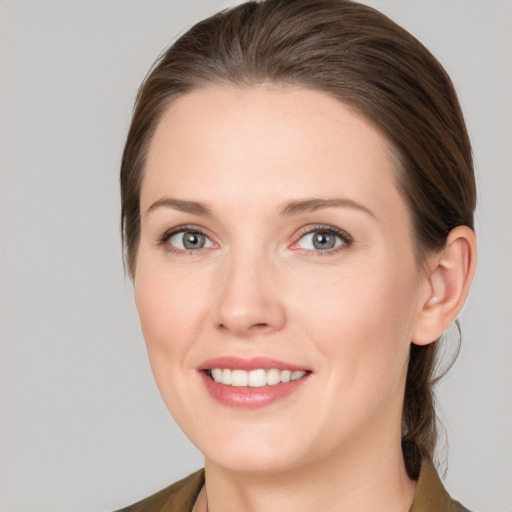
260	288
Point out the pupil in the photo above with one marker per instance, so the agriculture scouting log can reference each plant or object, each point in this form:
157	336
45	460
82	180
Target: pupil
323	241
193	240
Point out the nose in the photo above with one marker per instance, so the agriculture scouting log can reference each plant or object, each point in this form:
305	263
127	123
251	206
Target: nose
249	299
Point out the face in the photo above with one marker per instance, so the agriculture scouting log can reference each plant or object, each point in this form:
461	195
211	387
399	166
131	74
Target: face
276	281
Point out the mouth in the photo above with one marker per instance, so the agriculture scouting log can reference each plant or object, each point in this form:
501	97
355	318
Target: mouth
257	378
252	383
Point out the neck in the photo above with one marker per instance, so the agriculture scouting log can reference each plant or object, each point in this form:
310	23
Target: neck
374	479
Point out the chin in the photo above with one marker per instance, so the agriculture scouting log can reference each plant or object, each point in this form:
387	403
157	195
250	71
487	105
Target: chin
251	462
253	452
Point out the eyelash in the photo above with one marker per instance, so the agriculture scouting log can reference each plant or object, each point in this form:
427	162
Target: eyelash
346	239
162	241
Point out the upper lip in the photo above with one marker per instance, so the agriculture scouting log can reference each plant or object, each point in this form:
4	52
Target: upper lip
253	363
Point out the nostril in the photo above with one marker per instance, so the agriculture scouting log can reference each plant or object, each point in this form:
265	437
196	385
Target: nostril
259	326
254	327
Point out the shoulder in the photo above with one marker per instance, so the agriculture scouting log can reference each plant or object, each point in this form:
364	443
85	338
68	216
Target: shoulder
431	496
178	497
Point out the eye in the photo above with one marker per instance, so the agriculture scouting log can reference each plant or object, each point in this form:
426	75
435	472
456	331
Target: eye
324	239
187	240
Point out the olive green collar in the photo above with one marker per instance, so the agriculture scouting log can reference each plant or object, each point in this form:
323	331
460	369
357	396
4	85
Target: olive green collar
431	496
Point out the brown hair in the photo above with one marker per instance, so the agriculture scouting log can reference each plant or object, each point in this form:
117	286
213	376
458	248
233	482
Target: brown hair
362	58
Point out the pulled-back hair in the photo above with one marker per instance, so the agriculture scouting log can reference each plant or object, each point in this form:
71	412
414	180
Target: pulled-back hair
359	56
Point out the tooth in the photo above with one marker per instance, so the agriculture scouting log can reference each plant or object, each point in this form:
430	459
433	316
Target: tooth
254	378
226	376
257	378
216	374
273	377
286	376
239	378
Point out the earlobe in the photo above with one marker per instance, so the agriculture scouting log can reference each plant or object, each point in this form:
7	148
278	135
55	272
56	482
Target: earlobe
449	280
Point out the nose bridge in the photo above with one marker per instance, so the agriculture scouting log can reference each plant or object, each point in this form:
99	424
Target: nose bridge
249	299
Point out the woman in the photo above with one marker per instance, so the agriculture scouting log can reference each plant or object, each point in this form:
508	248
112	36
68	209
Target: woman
297	208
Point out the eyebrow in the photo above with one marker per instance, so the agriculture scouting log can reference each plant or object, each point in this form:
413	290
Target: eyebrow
193	207
310	205
291	208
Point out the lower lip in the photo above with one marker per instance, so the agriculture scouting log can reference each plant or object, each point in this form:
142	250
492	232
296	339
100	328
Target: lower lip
250	398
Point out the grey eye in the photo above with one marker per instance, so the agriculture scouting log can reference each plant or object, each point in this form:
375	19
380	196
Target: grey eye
324	241
190	240
319	241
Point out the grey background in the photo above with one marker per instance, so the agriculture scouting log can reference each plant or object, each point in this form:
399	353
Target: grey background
82	424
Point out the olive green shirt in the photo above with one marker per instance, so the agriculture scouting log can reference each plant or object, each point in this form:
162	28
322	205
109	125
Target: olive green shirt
431	496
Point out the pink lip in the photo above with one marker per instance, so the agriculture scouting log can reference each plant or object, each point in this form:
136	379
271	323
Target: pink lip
254	363
247	397
250	398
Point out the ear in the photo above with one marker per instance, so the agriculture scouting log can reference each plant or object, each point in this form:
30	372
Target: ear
449	278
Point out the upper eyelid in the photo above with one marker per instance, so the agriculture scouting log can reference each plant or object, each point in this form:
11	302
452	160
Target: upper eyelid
163	238
185	227
324	227
347	240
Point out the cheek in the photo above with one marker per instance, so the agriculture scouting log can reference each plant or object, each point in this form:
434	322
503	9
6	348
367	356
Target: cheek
171	311
363	318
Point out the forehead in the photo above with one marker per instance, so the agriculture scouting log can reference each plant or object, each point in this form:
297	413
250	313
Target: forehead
267	143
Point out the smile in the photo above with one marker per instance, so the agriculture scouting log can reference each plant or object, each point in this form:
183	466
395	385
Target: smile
254	382
254	378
